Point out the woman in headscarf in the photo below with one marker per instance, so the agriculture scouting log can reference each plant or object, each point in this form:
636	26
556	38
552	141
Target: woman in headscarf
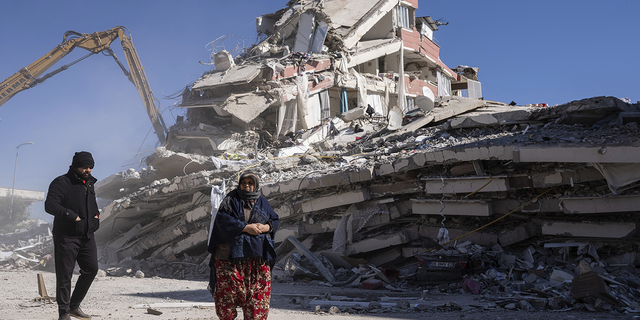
242	253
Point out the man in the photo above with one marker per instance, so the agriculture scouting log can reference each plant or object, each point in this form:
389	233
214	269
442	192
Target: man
71	199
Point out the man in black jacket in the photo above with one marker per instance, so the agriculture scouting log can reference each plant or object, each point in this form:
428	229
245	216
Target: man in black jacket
71	199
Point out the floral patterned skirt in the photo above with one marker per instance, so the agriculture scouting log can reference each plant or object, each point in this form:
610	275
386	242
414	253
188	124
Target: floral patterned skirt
245	284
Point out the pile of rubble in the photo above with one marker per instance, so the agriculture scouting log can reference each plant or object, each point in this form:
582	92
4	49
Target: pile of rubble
28	248
523	201
383	174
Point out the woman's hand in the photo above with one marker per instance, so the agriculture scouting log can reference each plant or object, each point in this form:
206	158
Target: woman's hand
255	229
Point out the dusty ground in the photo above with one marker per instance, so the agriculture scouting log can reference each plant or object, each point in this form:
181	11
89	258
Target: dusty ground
127	298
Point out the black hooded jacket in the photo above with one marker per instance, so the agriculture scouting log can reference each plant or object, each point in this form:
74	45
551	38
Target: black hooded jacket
68	198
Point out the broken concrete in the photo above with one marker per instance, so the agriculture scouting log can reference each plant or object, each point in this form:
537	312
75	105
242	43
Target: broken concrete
375	187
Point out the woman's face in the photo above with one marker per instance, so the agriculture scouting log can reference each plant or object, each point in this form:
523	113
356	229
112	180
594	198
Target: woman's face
247	184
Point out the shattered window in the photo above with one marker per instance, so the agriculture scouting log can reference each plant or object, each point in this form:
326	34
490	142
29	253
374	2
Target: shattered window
403	17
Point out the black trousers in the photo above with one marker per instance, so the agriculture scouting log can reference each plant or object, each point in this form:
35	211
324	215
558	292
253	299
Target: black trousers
68	251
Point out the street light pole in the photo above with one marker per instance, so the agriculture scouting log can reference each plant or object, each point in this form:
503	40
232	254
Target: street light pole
13	187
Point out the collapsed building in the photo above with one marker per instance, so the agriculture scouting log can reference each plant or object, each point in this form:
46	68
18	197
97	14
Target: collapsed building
374	152
325	74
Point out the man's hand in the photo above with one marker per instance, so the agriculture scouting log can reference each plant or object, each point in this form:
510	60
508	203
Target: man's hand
78	219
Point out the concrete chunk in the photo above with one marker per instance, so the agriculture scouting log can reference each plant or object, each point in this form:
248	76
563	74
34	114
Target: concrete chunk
385	169
383	241
519	233
365	174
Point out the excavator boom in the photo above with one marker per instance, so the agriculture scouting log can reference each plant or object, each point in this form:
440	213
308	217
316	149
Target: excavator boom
31	75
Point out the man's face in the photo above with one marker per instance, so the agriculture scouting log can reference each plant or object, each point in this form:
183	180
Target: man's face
83	172
247	184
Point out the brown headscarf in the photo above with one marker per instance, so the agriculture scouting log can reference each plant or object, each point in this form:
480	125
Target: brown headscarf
249	195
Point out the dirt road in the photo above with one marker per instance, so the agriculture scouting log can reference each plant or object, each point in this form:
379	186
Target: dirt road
129	298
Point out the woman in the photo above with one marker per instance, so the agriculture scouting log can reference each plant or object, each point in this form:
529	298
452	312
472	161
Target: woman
242	252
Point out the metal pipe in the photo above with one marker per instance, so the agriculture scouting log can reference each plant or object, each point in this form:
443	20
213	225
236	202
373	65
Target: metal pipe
13	187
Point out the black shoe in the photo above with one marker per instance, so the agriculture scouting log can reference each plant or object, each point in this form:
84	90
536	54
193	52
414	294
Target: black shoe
79	314
65	317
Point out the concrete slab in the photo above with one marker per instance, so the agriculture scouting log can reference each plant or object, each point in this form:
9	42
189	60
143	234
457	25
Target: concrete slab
382	241
366	15
464	208
395	188
332	201
293	185
564	176
372	49
581	154
615	230
24	195
169	164
466	185
450	106
612	204
234	75
493	115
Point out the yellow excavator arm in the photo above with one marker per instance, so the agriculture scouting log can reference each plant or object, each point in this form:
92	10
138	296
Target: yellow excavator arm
31	75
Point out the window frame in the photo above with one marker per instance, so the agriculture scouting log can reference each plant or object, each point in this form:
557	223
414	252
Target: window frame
404	17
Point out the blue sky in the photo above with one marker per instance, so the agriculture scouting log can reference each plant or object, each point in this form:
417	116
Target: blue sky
528	52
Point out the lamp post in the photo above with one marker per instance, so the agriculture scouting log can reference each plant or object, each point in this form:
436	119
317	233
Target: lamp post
13	187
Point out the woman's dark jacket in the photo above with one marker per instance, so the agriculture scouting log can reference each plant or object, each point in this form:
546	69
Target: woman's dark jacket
229	223
68	198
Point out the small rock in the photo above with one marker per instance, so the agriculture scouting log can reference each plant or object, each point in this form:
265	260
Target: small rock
374	305
154	311
525	305
403	304
454	305
424	307
139	274
310	159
